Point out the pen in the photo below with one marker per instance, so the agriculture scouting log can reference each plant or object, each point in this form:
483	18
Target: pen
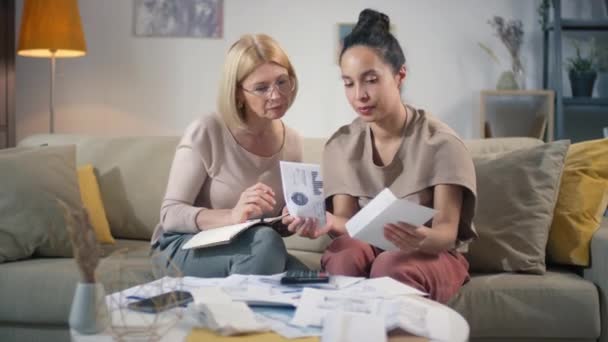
265	219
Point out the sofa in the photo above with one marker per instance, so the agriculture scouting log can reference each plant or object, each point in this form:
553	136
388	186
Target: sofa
564	304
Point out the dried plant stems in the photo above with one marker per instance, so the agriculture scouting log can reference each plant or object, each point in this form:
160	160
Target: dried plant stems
511	34
84	242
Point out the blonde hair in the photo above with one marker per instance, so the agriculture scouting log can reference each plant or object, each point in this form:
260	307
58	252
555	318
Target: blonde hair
244	56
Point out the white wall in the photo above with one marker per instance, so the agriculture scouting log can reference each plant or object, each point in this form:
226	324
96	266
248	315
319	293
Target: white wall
128	85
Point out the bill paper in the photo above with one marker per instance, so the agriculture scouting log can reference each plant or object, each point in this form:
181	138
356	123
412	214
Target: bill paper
303	190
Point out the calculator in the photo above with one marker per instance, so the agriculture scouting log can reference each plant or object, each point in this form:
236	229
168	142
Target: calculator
304	277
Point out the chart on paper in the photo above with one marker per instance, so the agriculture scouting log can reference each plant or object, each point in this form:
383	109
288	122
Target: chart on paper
303	190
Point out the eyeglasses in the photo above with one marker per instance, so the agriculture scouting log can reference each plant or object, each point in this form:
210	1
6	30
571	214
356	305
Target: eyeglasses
284	85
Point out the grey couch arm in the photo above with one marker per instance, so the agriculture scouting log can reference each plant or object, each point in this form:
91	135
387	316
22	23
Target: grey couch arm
598	272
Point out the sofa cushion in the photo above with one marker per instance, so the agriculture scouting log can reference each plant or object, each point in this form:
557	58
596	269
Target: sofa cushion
516	192
132	175
40	291
31	218
91	199
305	244
581	203
37	290
481	147
558	304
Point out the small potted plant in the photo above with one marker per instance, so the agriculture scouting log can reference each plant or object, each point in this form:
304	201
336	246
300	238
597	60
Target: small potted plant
582	72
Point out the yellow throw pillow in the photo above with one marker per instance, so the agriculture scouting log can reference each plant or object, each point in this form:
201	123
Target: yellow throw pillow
91	198
582	200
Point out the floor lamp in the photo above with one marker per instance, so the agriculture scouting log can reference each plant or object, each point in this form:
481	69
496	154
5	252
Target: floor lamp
51	29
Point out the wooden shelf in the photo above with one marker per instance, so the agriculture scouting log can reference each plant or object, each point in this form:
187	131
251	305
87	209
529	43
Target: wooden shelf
531	92
585	102
517	113
552	51
581	25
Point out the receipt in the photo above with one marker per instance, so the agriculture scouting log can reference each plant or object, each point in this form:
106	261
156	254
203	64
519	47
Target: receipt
303	190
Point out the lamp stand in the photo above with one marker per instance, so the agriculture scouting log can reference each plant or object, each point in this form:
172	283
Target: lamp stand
52	104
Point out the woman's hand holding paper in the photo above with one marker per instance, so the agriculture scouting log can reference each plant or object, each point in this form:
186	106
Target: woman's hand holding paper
406	237
307	227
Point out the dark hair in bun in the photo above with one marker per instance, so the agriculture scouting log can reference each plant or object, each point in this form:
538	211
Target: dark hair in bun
372	30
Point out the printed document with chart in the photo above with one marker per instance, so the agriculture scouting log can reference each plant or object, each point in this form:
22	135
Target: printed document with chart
303	190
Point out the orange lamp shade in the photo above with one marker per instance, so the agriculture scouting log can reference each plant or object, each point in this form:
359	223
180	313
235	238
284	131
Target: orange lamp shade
51	27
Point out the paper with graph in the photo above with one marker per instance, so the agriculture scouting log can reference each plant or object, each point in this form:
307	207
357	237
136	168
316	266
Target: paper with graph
303	190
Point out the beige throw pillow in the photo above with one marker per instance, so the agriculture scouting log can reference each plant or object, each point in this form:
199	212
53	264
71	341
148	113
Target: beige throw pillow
516	192
31	220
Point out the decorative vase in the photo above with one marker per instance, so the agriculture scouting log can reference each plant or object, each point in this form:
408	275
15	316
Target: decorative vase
507	81
582	83
520	78
89	312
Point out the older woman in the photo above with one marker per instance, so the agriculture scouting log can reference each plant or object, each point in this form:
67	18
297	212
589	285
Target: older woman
226	168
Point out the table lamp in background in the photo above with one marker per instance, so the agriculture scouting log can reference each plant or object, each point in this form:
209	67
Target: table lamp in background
51	29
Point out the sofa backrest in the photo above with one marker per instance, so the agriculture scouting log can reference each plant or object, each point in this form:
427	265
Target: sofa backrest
133	173
313	147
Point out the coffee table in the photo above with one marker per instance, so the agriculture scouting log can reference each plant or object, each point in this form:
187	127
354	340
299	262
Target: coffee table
185	330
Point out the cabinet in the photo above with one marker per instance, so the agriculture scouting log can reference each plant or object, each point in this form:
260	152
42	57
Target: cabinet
7	73
576	118
520	113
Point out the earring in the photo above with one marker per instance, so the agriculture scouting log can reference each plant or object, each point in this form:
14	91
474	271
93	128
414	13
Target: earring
240	105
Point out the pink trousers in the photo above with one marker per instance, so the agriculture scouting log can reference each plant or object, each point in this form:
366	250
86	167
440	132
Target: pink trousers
441	276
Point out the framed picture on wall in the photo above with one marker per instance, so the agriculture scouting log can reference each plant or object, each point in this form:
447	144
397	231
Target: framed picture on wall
178	18
343	30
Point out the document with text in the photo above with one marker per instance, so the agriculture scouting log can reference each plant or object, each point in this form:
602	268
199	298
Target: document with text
303	190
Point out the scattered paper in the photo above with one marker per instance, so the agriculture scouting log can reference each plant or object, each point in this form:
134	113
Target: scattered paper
418	318
303	190
341	282
279	320
382	287
260	290
211	294
353	327
217	301
316	304
230	318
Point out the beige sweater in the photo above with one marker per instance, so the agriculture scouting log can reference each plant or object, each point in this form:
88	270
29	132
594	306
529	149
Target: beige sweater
210	170
430	154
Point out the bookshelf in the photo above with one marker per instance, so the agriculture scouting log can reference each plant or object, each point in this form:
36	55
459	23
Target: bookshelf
517	113
576	118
